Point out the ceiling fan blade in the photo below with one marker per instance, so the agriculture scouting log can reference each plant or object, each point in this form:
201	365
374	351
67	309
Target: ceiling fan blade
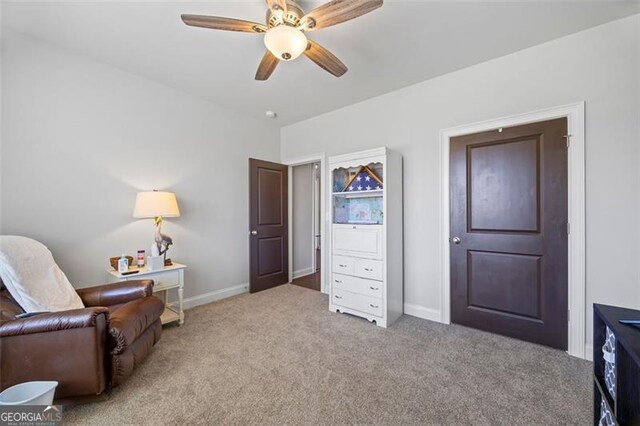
219	23
335	12
325	59
266	67
275	5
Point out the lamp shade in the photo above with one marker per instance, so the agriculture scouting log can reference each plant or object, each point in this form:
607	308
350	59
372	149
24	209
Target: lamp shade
156	203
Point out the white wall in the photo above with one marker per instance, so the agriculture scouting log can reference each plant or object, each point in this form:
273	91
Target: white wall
600	66
302	187
81	138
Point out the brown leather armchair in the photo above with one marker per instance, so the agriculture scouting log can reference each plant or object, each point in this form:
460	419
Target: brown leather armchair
86	350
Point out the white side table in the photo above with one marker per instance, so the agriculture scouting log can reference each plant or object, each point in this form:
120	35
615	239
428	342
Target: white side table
165	279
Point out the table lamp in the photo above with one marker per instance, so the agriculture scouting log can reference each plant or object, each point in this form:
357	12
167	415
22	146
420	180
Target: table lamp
157	204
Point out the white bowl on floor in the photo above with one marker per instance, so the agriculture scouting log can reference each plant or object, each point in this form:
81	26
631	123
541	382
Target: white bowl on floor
29	393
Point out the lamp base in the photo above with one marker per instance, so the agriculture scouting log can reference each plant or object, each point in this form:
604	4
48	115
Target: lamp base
168	262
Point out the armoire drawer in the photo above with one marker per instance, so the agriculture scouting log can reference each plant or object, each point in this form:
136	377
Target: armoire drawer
357	285
357	240
359	302
343	265
372	269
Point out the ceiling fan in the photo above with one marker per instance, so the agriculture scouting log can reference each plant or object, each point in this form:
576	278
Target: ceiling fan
284	32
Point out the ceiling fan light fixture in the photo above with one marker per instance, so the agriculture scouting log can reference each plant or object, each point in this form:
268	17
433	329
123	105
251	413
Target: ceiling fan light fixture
286	28
285	42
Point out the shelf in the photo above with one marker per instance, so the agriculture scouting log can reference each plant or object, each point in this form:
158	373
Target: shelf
360	194
626	406
170	314
626	335
604	393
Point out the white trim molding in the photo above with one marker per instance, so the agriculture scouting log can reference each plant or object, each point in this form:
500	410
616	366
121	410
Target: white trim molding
203	299
422	312
588	351
576	202
303	272
291	162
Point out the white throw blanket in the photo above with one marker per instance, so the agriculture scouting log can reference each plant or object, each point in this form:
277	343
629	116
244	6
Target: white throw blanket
32	277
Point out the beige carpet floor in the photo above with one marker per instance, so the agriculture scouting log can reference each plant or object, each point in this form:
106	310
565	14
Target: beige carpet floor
280	356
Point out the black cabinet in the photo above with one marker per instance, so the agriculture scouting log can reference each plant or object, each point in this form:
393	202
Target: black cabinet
616	366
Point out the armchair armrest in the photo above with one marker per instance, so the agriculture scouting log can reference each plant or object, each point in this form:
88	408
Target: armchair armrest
53	321
116	294
66	346
130	320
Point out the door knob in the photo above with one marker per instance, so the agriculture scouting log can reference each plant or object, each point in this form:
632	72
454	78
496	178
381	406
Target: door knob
456	240
254	232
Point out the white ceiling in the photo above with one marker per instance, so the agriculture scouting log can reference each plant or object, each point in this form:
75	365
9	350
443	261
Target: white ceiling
402	43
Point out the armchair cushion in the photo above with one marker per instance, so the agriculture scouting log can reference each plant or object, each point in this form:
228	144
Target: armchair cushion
116	294
130	320
53	321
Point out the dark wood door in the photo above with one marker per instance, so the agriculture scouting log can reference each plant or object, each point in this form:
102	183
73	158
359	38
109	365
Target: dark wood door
268	221
509	230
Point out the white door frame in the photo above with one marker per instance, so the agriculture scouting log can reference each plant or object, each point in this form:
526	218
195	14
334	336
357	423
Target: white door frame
292	162
576	202
316	215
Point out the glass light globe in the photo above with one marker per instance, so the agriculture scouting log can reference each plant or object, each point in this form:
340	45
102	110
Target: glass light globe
285	42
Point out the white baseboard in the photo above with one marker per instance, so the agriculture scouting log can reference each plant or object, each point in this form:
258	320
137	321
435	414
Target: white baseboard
212	296
422	312
303	272
434	315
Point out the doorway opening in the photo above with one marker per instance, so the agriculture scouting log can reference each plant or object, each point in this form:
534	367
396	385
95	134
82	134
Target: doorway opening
314	231
306	187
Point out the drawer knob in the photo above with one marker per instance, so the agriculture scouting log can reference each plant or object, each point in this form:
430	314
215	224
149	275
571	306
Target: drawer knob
373	306
374	288
342	266
368	269
338	281
337	297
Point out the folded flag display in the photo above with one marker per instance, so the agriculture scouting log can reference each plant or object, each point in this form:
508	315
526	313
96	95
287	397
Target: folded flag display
364	180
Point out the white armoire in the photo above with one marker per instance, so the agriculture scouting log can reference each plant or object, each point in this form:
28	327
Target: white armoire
365	239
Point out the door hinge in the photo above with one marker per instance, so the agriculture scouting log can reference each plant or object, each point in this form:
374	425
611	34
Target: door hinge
569	315
568	228
568	139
